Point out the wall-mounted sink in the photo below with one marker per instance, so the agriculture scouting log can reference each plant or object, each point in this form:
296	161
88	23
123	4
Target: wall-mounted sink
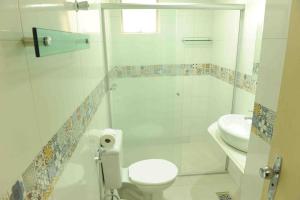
235	130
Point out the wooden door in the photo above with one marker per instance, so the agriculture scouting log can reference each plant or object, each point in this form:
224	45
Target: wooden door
286	139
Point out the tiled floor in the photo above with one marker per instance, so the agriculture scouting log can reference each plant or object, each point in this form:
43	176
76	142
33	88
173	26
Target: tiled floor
202	187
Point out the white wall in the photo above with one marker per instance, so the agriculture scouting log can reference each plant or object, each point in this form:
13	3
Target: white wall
39	94
225	32
19	128
269	79
248	55
193	23
165	46
250	51
225	38
250	45
79	179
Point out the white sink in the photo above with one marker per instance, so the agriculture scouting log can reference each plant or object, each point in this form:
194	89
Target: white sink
235	130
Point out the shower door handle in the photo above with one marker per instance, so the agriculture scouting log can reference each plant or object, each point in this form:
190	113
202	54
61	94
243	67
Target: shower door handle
113	87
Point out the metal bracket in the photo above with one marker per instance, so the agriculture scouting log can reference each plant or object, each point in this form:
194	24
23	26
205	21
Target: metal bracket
46	41
83	5
273	175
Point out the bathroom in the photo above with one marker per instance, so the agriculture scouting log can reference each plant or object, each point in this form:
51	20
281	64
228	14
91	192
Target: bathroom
198	86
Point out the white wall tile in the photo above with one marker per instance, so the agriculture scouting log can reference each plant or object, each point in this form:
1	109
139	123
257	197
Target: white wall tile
277	19
244	102
49	14
257	157
193	126
19	141
196	86
89	22
57	89
195	107
79	179
220	100
250	35
270	73
92	59
249	51
224	53
101	117
164	47
92	66
225	37
10	25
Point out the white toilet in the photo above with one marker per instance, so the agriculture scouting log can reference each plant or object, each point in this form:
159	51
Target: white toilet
151	176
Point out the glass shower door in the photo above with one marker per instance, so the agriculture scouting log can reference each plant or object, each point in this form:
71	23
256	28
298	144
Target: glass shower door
166	91
147	109
145	101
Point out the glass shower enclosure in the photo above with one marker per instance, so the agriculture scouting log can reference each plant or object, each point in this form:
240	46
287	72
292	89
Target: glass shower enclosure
167	86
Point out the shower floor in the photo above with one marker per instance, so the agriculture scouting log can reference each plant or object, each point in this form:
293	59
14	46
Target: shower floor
202	187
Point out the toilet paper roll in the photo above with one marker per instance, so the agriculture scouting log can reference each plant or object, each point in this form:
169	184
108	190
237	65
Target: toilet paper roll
107	139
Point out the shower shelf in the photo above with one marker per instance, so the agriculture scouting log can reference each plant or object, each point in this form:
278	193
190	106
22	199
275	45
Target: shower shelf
196	40
236	156
48	42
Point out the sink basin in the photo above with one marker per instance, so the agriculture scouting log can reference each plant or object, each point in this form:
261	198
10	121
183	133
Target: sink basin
235	130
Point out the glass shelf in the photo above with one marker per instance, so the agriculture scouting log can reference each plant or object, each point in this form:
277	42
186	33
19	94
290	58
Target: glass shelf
50	42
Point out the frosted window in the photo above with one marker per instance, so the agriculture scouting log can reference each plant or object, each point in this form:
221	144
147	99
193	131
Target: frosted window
139	21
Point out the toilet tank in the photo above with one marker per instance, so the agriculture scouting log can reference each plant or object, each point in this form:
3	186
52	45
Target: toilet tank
112	163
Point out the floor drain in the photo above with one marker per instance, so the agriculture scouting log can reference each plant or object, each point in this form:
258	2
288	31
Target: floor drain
224	196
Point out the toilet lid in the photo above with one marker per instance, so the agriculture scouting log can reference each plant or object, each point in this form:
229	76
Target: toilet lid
152	171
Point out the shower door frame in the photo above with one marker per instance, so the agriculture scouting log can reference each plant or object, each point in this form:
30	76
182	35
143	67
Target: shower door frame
172	6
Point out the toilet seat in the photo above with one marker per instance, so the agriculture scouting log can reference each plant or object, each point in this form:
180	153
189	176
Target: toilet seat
152	172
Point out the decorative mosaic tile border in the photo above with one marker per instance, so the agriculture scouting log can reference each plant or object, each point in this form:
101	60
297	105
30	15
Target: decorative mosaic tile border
222	73
159	70
38	180
224	196
246	82
263	122
243	81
